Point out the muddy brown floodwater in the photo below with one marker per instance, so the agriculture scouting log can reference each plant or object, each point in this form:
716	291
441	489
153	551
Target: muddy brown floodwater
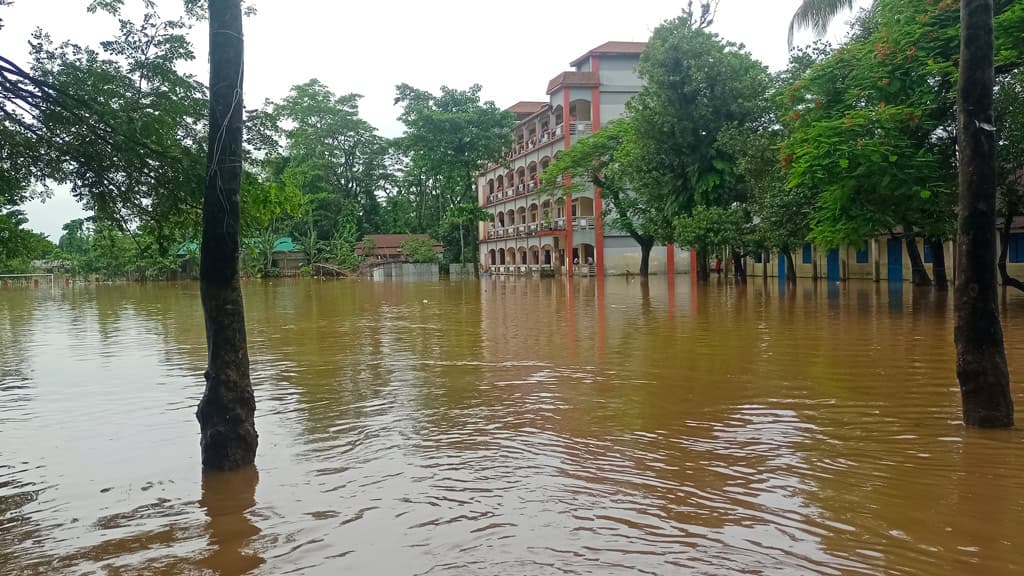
507	427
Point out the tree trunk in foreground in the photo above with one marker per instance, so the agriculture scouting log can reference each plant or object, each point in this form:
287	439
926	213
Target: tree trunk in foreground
980	356
226	412
919	275
939	265
790	268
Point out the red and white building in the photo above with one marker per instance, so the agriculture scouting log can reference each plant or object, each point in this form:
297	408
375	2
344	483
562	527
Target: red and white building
528	233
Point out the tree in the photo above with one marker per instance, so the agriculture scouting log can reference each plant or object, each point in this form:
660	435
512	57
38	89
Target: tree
872	128
333	160
696	85
419	251
461	221
816	15
123	128
227	409
607	160
448	138
981	358
1010	123
19	245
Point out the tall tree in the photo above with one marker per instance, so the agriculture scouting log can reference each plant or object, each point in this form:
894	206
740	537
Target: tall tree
608	160
980	355
696	85
226	412
448	138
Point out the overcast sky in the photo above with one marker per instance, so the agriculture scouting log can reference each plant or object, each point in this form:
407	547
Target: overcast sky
511	49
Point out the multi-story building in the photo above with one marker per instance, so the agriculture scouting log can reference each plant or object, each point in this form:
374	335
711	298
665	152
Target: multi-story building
529	233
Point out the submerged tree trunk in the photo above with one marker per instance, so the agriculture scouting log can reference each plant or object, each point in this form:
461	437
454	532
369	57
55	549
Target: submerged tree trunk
739	267
226	412
980	355
646	244
1004	250
703	266
919	275
939	264
790	268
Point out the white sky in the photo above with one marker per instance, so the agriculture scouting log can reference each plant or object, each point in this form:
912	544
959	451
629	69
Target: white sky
512	49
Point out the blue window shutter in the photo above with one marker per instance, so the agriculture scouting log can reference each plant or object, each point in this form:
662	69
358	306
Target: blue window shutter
928	256
807	254
862	254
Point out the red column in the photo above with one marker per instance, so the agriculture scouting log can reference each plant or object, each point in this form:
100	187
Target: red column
693	263
670	259
567	139
595	117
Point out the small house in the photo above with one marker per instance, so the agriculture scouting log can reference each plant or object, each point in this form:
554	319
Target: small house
388	247
287	256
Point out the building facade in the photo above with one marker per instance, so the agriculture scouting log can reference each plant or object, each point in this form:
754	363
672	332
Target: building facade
529	234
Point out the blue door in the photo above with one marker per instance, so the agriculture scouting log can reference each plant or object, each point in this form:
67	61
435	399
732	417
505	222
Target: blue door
833	265
782	269
895	257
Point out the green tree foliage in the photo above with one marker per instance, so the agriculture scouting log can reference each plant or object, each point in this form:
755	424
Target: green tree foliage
127	131
448	138
334	159
419	250
608	160
19	246
697	85
872	127
1010	122
459	228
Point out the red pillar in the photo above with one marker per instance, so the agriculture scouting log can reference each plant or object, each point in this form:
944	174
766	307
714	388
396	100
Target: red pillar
567	140
670	259
595	117
693	263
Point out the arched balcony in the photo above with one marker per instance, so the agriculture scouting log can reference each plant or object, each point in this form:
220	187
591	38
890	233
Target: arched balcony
531	175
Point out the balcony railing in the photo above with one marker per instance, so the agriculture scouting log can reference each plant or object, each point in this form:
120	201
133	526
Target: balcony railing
581	128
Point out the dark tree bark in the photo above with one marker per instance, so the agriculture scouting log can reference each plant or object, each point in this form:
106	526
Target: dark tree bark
646	244
790	268
226	412
939	264
739	267
1004	250
980	355
919	275
703	266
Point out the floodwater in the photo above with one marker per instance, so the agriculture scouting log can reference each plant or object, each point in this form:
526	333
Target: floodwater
507	427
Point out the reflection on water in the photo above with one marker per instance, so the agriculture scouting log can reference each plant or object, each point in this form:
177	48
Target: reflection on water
507	427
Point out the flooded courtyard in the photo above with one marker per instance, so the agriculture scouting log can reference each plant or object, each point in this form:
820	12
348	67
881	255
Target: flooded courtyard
508	427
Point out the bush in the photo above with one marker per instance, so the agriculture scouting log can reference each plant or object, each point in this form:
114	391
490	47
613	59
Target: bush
419	251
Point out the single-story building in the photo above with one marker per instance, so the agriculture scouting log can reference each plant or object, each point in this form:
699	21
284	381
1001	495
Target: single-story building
388	247
881	258
287	256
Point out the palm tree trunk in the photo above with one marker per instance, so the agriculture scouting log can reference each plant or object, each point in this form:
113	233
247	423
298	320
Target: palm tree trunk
226	412
980	355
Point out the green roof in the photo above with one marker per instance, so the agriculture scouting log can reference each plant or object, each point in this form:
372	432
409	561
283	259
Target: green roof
187	248
286	245
283	244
